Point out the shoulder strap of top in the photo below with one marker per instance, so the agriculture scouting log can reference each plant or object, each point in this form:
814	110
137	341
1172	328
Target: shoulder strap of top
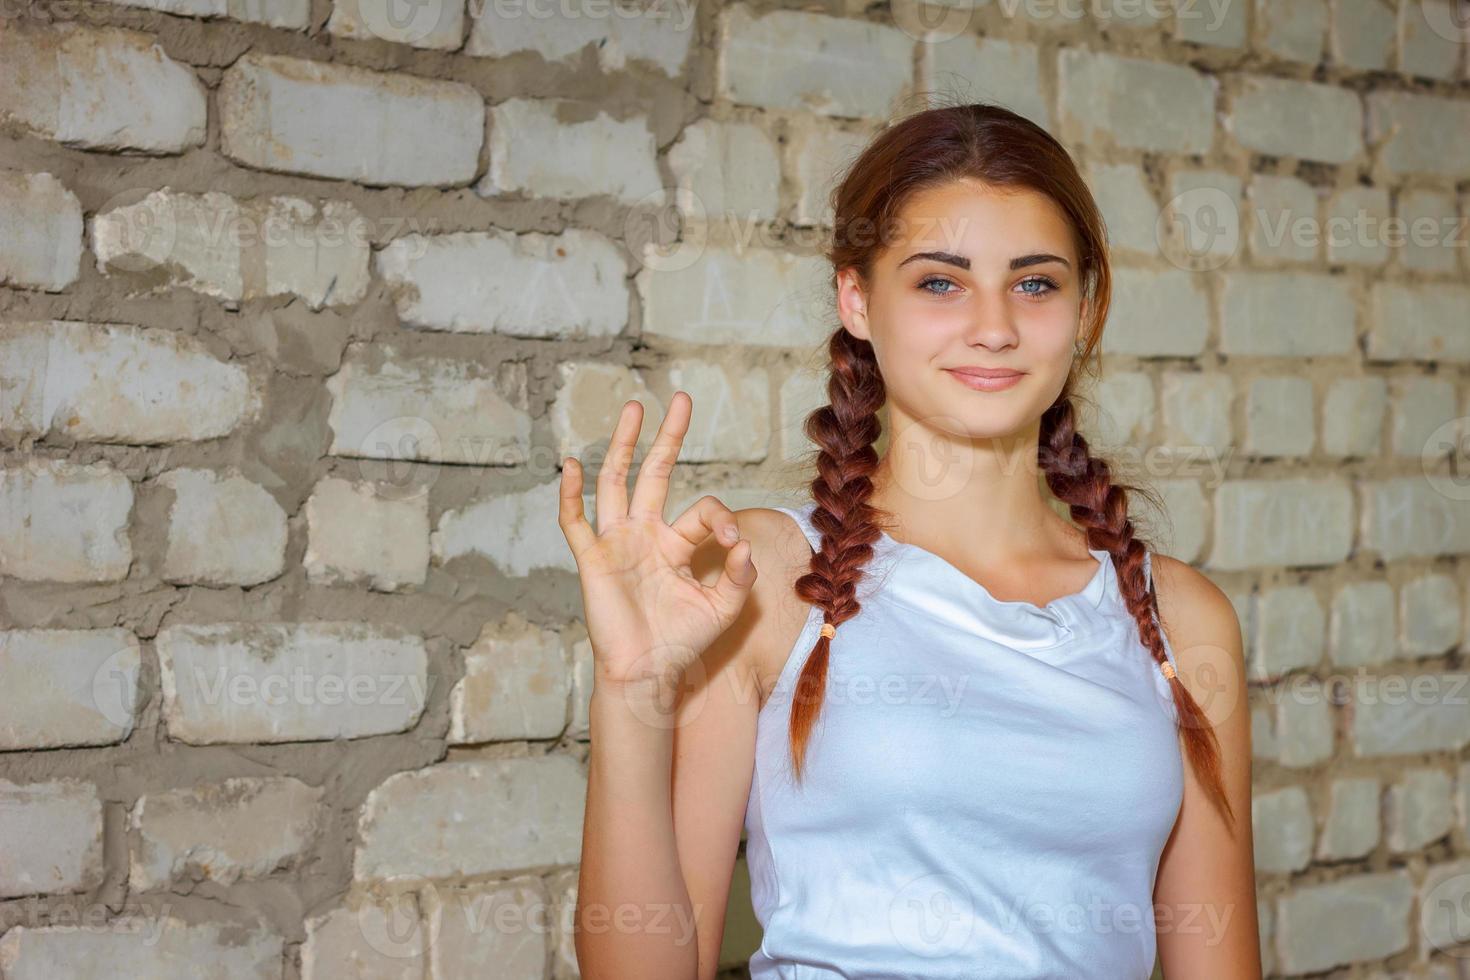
1149	578
802	517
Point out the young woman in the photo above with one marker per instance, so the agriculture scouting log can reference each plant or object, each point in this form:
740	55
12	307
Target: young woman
949	719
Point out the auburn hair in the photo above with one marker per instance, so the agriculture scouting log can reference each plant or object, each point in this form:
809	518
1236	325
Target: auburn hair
1003	149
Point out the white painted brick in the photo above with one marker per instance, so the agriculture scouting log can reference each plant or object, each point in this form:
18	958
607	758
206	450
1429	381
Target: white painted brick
1177	117
1417	133
517	532
540	148
222	530
68	687
1357	918
289	682
357	533
1352	828
1279	314
1431	35
484	817
1279	417
972	69
726	172
64	522
1293	30
1128	206
1422	408
237	250
1462	796
818	154
1355	228
288	14
1362	625
1304	725
1282	222
51	834
1196	410
1430	231
112	382
1263	734
438	25
241	828
583	664
1290	634
757	298
1404	715
1200	224
732	408
1362	34
367	940
1429	615
516	684
1444	891
807	62
1289	118
1352	416
329	120
1409	517
568	285
1122	409
1419	322
1418	809
42	245
1282	830
1183	534
504	931
1293	521
590	394
165	948
657	34
1220	25
1157	313
391	405
563	947
100	88
802	392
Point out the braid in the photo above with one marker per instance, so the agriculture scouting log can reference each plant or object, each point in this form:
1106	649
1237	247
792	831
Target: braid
1100	507
845	432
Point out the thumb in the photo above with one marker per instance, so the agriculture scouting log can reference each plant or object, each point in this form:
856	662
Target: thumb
736	577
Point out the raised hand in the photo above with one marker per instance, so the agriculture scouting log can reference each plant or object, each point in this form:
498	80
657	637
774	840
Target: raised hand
648	617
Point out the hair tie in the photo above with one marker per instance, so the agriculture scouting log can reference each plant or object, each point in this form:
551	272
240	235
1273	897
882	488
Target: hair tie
828	630
1167	669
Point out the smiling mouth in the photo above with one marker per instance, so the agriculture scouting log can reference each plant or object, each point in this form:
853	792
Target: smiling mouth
984	379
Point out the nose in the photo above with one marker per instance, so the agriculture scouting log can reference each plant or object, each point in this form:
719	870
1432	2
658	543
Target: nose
991	324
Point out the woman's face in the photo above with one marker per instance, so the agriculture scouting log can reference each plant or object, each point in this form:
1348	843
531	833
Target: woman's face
973	277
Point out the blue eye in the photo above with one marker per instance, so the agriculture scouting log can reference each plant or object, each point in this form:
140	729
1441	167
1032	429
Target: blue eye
934	279
1040	281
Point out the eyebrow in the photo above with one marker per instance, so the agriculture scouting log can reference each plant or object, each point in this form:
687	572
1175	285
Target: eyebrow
1019	262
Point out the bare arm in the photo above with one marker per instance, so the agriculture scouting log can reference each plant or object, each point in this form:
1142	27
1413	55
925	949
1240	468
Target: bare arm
649	621
1205	893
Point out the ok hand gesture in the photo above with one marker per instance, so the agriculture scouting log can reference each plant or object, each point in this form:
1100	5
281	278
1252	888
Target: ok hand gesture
648	617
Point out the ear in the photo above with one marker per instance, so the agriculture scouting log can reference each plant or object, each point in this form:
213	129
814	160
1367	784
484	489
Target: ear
852	305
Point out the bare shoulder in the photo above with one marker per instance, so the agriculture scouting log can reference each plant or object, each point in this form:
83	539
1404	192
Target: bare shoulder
773	616
1198	617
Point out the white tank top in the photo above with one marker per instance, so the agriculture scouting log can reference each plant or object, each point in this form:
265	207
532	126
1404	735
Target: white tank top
987	789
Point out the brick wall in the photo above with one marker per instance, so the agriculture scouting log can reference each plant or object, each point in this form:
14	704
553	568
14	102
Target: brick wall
302	302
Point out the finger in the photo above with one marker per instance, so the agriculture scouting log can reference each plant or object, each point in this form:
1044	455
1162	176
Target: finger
612	479
570	516
708	515
736	578
651	486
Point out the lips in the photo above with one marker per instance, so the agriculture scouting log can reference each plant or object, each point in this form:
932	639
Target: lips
979	372
985	379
